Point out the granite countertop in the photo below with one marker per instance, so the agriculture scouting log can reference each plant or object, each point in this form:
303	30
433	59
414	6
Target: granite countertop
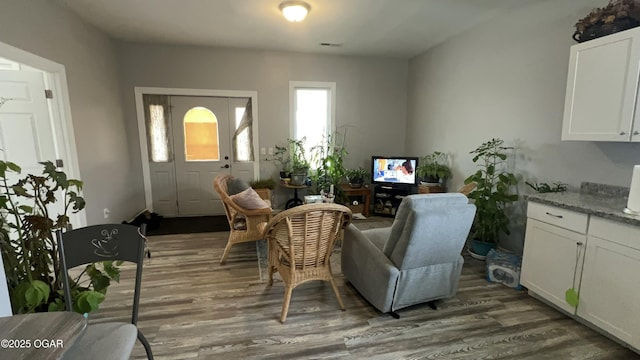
604	201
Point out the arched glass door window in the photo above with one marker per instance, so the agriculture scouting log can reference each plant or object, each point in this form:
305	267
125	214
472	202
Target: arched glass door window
201	142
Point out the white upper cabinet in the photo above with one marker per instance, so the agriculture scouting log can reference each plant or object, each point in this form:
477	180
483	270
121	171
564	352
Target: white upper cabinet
602	89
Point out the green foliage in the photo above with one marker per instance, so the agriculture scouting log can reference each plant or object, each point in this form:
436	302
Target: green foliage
29	251
434	166
357	176
299	161
546	188
281	156
492	191
267	183
292	158
329	155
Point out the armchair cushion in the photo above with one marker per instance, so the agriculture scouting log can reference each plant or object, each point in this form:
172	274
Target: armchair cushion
249	199
236	185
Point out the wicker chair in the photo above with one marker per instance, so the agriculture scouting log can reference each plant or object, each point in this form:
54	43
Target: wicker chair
242	222
301	241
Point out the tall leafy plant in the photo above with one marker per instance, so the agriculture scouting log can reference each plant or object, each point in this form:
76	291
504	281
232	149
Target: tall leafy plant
329	155
29	251
492	192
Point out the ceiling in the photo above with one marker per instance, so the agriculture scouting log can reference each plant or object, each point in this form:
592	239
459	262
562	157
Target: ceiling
381	28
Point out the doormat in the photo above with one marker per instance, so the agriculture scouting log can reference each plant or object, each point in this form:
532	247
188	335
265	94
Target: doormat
190	225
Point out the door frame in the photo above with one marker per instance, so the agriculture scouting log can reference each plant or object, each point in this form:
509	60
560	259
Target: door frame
142	130
55	78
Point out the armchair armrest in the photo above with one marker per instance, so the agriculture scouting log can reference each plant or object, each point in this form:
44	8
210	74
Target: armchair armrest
368	269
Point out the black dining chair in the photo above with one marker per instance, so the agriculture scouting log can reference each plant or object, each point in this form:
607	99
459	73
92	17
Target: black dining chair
97	243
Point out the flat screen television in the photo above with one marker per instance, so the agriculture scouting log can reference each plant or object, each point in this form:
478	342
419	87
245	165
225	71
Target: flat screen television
394	170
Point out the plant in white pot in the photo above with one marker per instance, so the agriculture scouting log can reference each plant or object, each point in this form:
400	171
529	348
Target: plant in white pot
491	195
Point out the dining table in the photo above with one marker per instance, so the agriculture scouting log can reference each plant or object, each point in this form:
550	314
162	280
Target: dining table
39	335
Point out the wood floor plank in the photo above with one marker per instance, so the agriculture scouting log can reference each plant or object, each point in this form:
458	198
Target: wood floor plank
194	308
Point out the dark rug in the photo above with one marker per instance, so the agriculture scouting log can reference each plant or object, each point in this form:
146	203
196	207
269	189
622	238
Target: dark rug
190	225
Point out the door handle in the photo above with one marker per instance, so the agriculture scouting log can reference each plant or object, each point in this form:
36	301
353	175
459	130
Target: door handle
554	215
224	167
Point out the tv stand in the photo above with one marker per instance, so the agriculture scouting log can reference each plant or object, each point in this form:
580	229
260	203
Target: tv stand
386	199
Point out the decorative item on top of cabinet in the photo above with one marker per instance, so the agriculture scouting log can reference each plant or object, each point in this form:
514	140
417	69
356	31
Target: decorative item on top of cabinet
618	15
601	93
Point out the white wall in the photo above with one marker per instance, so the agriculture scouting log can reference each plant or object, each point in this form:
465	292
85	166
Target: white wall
371	93
43	28
507	79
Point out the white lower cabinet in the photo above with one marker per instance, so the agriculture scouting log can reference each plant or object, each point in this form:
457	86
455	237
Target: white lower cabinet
601	263
551	255
610	286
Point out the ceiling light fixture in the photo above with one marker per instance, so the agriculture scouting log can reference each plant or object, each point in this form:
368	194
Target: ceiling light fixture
294	11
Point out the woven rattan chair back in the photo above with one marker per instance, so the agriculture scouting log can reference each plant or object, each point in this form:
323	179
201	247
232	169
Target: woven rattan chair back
301	241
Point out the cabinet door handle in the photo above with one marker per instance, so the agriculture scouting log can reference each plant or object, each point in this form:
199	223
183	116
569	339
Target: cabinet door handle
579	243
554	215
623	133
636	132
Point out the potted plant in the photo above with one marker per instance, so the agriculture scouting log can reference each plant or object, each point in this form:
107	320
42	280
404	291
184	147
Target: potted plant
356	177
491	195
299	163
329	156
546	188
433	168
281	156
267	183
617	16
29	251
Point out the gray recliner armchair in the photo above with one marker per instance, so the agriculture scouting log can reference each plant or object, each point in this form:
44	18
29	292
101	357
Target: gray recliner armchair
416	260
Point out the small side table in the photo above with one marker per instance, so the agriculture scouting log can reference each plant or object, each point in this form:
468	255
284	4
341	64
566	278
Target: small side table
364	191
295	201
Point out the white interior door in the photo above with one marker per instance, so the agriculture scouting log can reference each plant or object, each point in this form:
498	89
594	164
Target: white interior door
26	135
202	151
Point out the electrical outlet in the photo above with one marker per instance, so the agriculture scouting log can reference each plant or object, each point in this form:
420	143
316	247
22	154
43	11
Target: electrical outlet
263	151
270	151
107	213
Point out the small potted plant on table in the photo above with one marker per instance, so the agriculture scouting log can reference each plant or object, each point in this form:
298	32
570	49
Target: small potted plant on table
433	172
356	177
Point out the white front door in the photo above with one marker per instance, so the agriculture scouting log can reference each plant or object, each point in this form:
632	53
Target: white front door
202	151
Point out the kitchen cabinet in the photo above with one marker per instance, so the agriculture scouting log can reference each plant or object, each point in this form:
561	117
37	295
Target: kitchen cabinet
553	252
609	291
602	88
599	258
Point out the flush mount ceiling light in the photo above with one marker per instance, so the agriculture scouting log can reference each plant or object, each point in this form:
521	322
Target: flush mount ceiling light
294	11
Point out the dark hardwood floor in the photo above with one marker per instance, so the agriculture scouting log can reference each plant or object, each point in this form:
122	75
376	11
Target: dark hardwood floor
193	308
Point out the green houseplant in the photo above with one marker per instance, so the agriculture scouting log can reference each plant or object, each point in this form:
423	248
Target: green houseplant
281	157
299	163
357	177
329	157
29	251
491	195
434	168
267	183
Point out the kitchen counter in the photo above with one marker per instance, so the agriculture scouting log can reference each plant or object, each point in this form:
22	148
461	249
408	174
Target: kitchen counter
604	201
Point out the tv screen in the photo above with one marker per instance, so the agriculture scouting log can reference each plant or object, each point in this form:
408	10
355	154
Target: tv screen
394	170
